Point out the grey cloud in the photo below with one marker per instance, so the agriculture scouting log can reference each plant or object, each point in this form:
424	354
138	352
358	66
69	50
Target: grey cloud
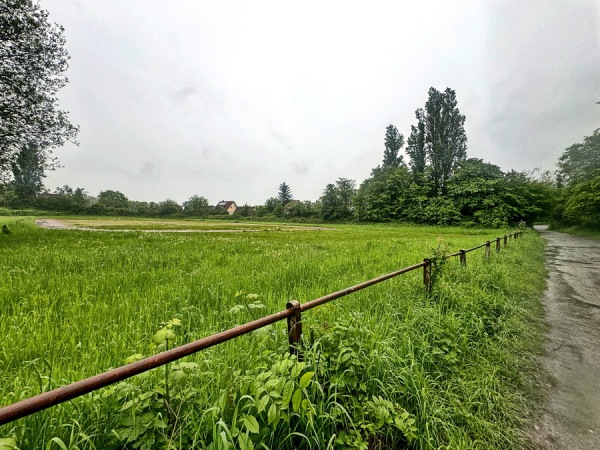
147	169
302	167
183	94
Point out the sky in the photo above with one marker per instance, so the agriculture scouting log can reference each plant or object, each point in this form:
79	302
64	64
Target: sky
228	99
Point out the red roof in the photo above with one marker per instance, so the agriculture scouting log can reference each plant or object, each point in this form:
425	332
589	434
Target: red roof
226	204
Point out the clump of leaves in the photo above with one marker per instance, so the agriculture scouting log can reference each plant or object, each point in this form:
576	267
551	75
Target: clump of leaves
438	259
249	303
149	412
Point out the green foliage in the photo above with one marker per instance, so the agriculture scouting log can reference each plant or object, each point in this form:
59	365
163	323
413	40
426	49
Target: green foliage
439	138
285	194
441	211
33	60
582	204
385	196
196	206
113	199
580	162
336	201
169	208
579	175
28	172
394	142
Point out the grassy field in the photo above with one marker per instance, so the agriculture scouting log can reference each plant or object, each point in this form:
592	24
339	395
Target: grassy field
388	367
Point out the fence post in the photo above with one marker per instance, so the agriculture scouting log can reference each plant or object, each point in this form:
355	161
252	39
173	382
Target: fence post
487	249
463	258
498	244
294	323
427	275
505	241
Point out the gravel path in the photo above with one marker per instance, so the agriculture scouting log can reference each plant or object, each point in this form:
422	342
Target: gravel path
571	414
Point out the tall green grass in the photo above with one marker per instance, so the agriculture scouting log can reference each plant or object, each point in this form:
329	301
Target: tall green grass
458	363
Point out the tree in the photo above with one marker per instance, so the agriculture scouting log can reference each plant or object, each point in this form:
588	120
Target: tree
168	207
271	204
579	171
28	172
32	62
336	201
383	196
113	199
196	206
415	147
394	141
581	162
285	194
439	138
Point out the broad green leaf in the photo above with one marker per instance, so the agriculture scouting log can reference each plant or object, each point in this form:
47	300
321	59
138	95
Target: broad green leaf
262	403
8	444
245	442
297	400
272	414
162	335
305	380
251	424
288	390
133	358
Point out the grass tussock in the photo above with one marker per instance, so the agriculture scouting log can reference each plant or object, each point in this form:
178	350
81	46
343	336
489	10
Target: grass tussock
385	368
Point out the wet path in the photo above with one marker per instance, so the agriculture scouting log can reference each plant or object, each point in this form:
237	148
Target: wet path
571	416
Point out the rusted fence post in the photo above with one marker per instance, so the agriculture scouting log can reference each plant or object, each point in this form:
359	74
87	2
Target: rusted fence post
294	323
463	258
427	275
505	241
498	244
487	249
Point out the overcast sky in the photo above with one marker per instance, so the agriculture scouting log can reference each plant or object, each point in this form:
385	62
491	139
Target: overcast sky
228	99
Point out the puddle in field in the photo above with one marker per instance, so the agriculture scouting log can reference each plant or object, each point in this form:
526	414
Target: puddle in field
571	414
59	225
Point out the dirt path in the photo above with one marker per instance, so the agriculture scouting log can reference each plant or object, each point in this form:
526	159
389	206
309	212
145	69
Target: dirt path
571	415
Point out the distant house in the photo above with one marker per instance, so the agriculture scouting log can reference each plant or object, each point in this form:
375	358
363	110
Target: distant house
227	205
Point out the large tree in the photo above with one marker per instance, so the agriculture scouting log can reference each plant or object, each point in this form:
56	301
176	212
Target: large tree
196	206
579	176
336	201
28	172
439	139
394	141
285	193
32	65
580	162
113	199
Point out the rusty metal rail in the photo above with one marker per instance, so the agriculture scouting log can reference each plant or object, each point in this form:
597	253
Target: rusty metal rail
293	314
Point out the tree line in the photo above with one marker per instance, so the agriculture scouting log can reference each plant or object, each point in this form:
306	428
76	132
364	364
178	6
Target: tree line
437	184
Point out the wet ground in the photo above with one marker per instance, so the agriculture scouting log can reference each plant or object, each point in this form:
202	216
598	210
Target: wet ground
571	413
62	225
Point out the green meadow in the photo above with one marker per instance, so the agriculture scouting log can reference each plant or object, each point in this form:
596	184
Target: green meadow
385	368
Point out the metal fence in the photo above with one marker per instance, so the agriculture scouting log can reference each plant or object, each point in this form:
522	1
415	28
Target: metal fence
293	314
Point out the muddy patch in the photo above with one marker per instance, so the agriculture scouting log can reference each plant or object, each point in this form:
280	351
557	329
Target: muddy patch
60	225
